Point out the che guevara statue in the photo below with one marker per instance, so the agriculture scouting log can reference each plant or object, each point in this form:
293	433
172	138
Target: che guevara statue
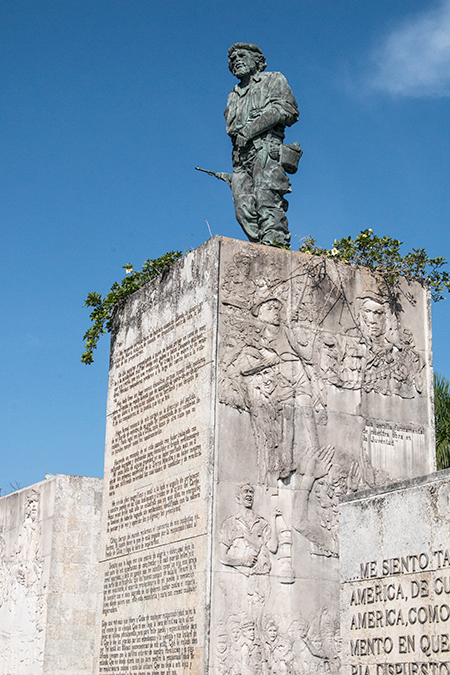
258	109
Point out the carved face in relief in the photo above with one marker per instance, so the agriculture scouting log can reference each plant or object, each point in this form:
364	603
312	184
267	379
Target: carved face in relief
32	508
246	496
222	643
272	631
266	381
243	262
269	312
235	631
248	631
373	319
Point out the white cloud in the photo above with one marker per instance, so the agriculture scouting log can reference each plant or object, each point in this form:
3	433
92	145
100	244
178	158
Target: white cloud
414	59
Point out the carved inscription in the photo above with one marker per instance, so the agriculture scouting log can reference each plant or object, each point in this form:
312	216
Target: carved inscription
151	536
163	499
135	351
397	616
166	453
150	426
382	440
154	474
160	361
161	644
157	393
157	574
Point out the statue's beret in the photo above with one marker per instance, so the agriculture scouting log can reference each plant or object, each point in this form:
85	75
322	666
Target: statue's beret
244	45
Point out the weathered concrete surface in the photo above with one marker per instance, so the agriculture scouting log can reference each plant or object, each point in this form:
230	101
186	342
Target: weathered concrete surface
249	389
395	569
49	545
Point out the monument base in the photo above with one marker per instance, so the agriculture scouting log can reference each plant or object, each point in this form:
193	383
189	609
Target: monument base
250	388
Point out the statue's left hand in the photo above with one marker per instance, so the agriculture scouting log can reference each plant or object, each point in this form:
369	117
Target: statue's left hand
241	140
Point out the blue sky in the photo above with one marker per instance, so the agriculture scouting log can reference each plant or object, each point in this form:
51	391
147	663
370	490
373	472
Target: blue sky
106	107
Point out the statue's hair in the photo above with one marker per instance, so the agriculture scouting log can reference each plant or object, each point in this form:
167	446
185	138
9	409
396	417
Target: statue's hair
257	53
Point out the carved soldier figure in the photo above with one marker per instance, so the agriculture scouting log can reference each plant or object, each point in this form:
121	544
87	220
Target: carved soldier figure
246	538
278	650
253	657
258	109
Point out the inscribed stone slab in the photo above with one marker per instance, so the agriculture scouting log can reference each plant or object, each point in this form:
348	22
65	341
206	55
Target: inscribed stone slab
395	563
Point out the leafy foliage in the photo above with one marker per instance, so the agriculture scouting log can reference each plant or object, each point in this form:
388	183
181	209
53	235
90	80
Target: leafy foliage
382	255
101	315
442	420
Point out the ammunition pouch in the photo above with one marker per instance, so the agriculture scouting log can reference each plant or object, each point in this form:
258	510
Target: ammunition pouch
290	157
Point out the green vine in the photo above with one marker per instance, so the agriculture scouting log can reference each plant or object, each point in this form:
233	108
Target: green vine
382	256
379	254
101	315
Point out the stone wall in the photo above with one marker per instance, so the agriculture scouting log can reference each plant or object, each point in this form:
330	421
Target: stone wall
395	568
49	544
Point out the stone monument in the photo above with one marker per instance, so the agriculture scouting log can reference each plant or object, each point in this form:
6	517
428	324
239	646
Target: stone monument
259	108
395	564
49	546
250	388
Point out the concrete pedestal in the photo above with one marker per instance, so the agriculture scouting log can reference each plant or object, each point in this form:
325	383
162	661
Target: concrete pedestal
250	388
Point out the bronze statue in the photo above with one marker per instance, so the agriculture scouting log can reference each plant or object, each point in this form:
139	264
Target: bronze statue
258	109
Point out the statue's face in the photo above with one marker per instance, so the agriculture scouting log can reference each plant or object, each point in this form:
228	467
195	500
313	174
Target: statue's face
243	62
266	381
222	644
235	632
244	262
32	509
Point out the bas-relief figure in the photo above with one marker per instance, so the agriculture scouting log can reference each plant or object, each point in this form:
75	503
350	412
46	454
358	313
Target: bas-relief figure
22	594
280	358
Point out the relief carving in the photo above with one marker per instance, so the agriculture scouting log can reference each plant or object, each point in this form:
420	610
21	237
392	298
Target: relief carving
248	639
247	541
269	372
316	364
279	355
297	357
306	647
22	602
316	644
368	350
378	356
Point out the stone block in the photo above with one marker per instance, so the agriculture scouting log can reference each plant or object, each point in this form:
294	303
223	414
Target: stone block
250	388
40	590
395	579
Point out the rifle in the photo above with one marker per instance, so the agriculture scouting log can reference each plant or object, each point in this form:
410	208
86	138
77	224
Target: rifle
220	175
